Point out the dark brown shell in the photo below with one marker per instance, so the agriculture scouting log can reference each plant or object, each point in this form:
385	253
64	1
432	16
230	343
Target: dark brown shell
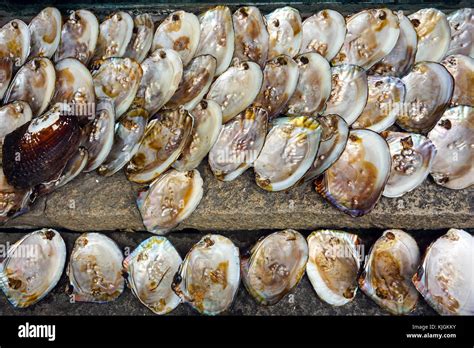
33	154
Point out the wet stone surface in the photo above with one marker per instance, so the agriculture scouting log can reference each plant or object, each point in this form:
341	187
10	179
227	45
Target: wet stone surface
92	202
302	301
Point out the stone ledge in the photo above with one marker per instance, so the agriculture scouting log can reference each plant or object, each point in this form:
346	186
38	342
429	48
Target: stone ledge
92	202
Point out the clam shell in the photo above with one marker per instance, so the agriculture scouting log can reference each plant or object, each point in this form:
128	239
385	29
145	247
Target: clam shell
34	84
162	72
129	131
12	116
445	277
33	267
386	278
118	79
73	168
45	32
142	38
349	92
238	144
461	23
163	142
324	33
38	151
289	151
355	182
74	85
13	202
453	137
429	88
209	276
402	57
95	269
78	37
179	32
333	265
195	83
115	33
371	35
385	98
169	200
412	158
150	271
314	85
335	132
15	42
207	126
285	32
217	36
251	36
280	77
6	71
461	69
274	266
236	88
433	32
100	134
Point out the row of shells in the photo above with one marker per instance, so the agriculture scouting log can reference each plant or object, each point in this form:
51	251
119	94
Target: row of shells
208	278
313	100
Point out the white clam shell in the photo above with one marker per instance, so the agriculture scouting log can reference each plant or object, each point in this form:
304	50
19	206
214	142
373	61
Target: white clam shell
95	269
289	151
33	267
386	96
434	34
33	83
412	158
251	36
78	37
217	36
453	137
386	279
129	131
280	77
169	200
461	23
162	73
402	57
209	276
45	32
275	266
371	35
142	38
115	33
12	116
324	33
333	265
461	69
314	85
335	132
180	32
429	88
162	144
100	137
118	79
15	42
207	117
354	183
150	270
349	92
238	144
285	32
236	88
445	278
